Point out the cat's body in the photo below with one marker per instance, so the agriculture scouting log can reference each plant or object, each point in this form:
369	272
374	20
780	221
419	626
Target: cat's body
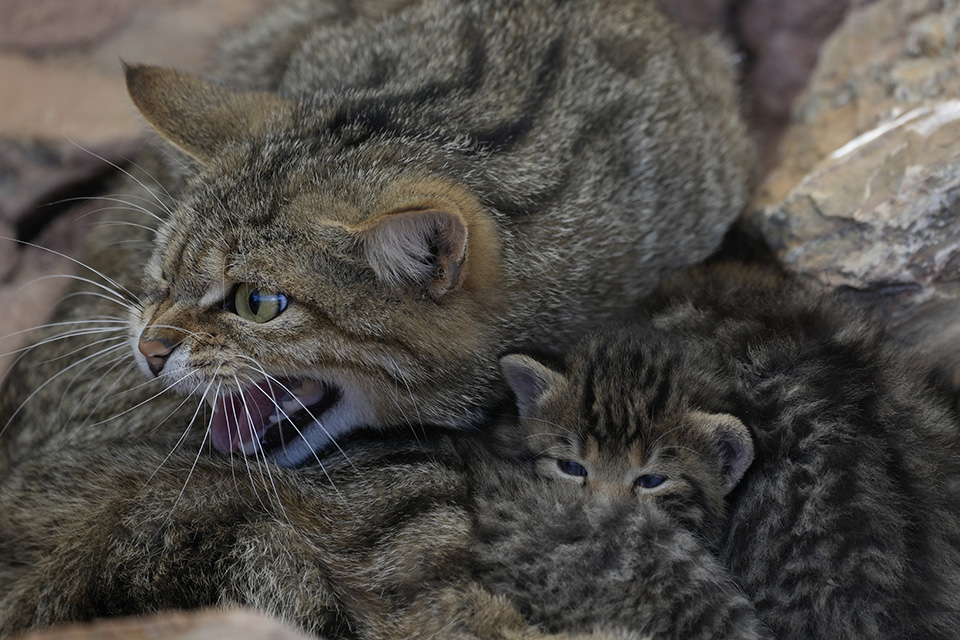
425	192
400	194
428	188
847	523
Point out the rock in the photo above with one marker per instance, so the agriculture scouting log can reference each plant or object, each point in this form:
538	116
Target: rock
779	41
867	198
198	625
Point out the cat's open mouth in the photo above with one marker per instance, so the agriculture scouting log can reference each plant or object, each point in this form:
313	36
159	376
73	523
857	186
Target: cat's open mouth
269	414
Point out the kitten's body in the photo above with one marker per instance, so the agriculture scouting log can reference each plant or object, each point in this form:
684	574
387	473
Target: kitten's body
847	523
597	521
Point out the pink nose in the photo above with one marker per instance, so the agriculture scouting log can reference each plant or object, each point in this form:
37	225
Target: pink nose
156	352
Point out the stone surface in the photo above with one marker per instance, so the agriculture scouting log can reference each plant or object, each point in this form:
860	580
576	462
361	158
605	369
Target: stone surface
867	197
201	625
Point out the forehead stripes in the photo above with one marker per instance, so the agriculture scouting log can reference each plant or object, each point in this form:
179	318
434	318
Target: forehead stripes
625	386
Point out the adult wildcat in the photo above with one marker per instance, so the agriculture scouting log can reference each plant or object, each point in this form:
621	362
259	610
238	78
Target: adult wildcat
847	522
413	195
382	202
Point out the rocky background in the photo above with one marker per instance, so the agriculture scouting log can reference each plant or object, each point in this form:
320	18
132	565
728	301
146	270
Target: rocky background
857	103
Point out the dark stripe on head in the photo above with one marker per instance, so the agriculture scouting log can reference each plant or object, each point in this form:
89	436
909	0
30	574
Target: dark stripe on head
508	134
657	405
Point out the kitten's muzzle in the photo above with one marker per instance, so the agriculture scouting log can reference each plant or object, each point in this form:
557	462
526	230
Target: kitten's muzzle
156	352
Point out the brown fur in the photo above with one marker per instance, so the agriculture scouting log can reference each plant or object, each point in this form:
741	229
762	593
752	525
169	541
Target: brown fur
421	212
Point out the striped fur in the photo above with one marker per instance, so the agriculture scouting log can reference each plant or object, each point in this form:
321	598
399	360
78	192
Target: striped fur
429	184
431	189
847	523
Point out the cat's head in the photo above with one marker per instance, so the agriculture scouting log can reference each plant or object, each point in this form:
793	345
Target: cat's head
300	276
618	423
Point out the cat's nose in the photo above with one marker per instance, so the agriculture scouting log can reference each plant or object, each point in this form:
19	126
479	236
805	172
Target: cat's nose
156	352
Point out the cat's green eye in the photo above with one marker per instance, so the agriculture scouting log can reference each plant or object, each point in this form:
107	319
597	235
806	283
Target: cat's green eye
255	305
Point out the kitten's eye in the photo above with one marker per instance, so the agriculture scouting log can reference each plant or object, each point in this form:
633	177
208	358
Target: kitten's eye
258	306
572	468
649	481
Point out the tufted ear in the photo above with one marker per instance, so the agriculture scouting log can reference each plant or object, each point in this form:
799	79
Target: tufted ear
197	116
731	442
427	248
529	380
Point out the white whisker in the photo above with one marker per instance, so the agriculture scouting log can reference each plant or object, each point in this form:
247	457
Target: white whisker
49	380
126	173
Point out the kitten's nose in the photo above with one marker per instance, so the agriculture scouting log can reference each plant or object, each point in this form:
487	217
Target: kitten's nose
156	352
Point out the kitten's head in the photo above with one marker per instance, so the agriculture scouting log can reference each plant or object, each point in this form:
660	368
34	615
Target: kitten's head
304	285
619	424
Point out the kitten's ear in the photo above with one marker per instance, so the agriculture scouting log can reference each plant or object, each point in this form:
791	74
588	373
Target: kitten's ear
731	442
197	116
530	381
426	247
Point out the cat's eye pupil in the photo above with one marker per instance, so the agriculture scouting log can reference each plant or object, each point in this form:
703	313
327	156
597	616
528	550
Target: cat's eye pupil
254	301
572	468
649	481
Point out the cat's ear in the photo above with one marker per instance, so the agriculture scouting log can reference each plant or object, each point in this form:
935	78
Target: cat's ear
197	116
529	380
427	248
731	442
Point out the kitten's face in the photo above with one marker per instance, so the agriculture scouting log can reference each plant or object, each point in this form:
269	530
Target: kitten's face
302	301
617	426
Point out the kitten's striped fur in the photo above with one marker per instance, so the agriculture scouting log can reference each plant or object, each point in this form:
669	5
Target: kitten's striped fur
847	522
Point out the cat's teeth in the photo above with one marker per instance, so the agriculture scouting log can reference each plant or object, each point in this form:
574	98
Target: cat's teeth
310	392
291	405
306	387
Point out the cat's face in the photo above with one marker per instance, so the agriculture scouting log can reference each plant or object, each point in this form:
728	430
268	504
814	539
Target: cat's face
300	301
615	425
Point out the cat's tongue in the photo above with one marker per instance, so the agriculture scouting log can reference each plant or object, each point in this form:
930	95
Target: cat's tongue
240	419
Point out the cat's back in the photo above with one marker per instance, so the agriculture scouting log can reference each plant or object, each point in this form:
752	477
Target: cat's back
552	106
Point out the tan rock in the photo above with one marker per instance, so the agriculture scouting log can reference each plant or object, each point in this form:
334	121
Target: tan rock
868	196
199	625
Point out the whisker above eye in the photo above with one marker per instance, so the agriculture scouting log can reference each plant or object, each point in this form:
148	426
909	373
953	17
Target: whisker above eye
130	206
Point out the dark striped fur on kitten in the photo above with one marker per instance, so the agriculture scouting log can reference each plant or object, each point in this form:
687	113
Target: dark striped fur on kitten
847	522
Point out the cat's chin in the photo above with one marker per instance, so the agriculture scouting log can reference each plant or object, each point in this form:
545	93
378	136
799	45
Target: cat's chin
272	416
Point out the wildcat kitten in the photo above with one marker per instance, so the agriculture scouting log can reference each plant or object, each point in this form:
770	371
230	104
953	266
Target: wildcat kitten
618	444
847	522
359	239
601	514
